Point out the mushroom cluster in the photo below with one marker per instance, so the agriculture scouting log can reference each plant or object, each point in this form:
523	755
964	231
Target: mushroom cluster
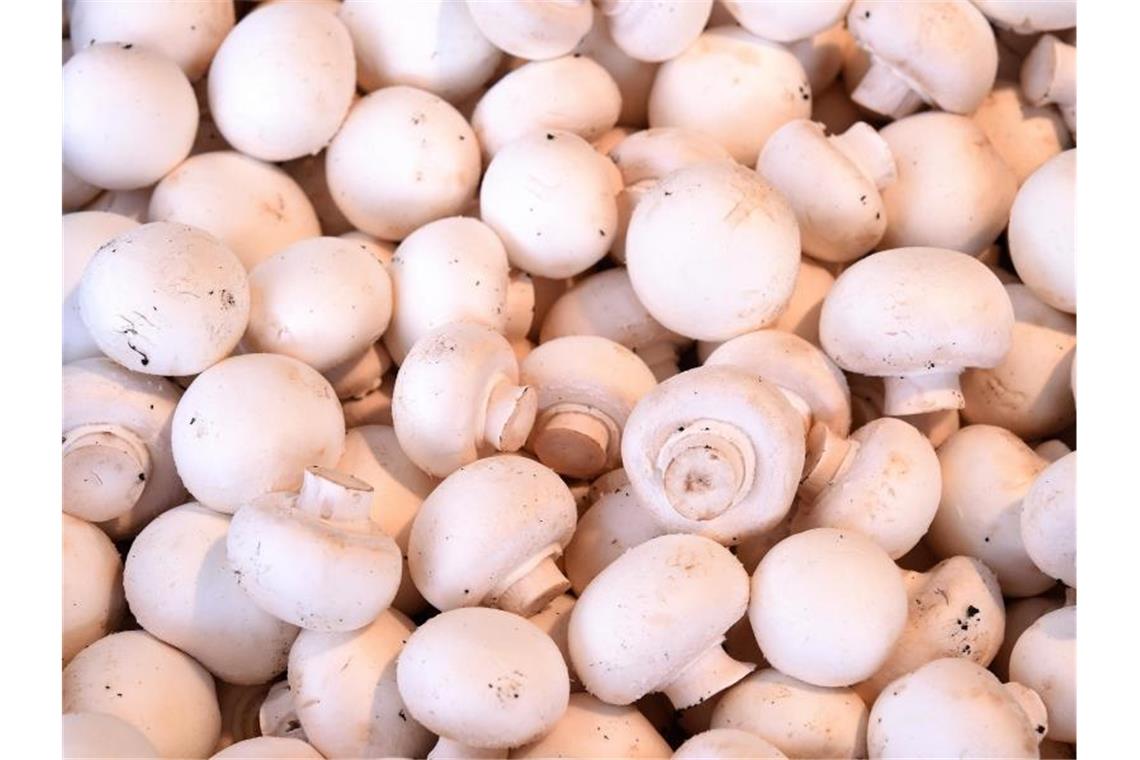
569	378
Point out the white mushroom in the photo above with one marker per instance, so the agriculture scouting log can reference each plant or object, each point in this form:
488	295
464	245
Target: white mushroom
726	744
1042	240
1028	16
590	728
269	748
84	233
532	29
98	735
787	20
93	601
634	78
1049	520
655	31
1049	75
1044	659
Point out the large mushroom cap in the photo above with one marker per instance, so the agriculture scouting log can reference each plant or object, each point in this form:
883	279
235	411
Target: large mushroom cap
1041	232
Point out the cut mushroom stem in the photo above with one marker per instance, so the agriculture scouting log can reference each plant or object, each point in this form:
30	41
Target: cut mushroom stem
331	495
863	146
510	415
1049	73
883	91
711	673
707	467
574	439
916	394
449	748
105	469
1032	705
829	457
535	585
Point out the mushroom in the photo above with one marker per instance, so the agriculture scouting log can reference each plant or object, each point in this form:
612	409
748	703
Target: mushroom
799	719
98	735
152	686
1049	521
950	707
1019	615
117	464
457	397
822	56
84	233
943	54
131	115
586	385
1044	659
344	691
489	534
254	208
187	33
590	728
164	299
315	558
867	406
692	245
1028	16
883	482
1049	75
433	45
322	300
1028	393
92	586
733	86
917	317
309	173
249	426
532	29
182	590
551	199
954	610
554	621
945	162
654	620
270	748
402	158
570	94
787	20
507	683
655	32
1042	240
1025	136
986	472
725	744
832	185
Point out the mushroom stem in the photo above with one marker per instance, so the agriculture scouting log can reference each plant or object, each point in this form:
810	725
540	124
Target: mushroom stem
450	748
660	356
883	91
520	305
333	495
711	673
1049	73
510	415
863	146
916	394
1032	705
574	440
828	458
105	470
533	586
707	467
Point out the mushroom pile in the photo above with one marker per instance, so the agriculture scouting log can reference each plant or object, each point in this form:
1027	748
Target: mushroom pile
592	379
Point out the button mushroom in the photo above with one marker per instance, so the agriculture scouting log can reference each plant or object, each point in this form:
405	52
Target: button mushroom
655	31
93	601
725	744
84	232
1044	659
1042	234
591	728
1049	521
784	21
1049	75
533	29
1028	16
98	735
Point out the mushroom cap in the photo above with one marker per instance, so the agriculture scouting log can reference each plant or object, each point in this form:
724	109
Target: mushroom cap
270	748
449	270
433	45
1041	232
152	686
713	251
592	728
402	158
182	590
1049	520
532	29
483	527
550	198
1029	392
1044	659
787	20
1024	135
986	472
322	300
507	683
91	734
570	94
950	707
344	690
250	425
838	207
187	33
655	31
312	81
93	601
946	52
827	606
916	311
725	744
186	293
84	232
1019	615
799	719
733	86
634	78
656	153
799	369
1027	16
131	115
645	618
254	208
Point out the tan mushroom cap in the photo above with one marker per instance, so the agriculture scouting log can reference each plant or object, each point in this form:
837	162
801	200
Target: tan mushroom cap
725	744
786	20
1044	659
592	728
1042	233
532	29
1049	520
93	602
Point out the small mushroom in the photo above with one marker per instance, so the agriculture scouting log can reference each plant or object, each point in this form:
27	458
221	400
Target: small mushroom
93	601
84	232
590	728
152	686
787	20
1042	242
726	744
917	317
655	31
1049	521
344	691
943	54
457	397
1044	659
250	425
507	683
315	558
489	534
269	748
533	29
1025	136
98	735
1028	16
402	158
799	719
648	623
827	606
1049	75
